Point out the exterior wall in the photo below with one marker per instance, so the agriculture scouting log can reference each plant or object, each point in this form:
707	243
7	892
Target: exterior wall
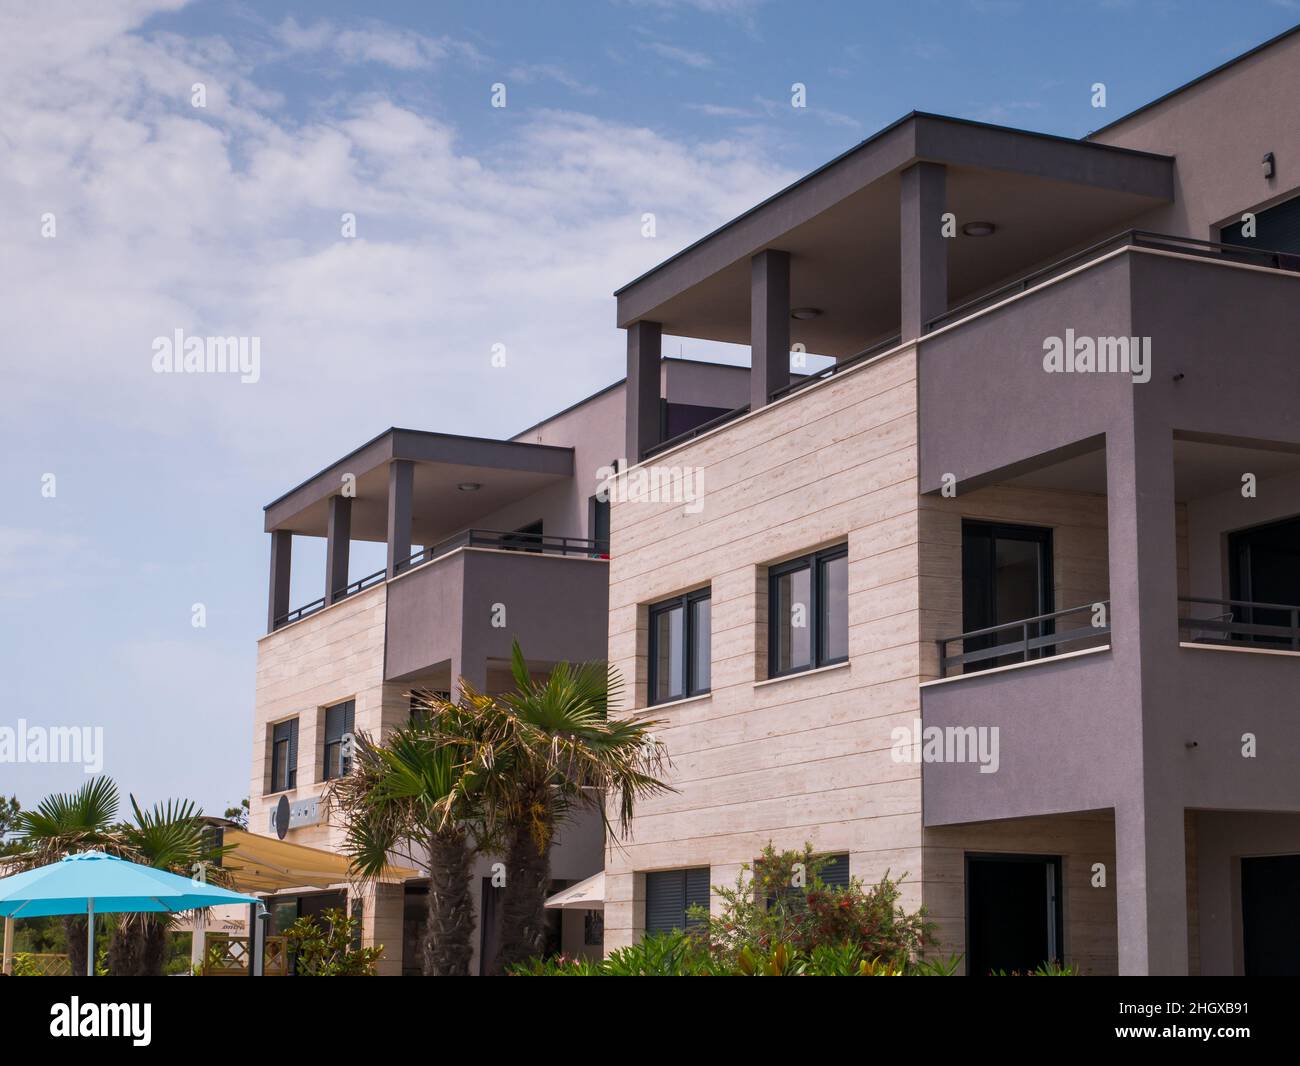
333	655
803	758
1219	131
446	611
1212	518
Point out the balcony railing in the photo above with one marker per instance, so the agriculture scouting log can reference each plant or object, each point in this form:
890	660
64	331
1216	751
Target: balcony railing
1037	637
836	368
703	427
1233	253
1236	622
306	609
470	538
505	541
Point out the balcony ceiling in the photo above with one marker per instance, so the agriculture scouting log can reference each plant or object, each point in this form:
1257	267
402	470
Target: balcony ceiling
506	471
1201	468
1047	196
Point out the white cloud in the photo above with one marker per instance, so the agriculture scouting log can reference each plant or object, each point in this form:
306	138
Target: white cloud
686	56
373	42
226	220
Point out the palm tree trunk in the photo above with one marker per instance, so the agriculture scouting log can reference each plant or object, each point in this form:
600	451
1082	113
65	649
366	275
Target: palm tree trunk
447	939
523	904
74	931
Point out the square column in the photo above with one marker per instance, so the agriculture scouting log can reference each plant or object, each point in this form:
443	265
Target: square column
401	497
923	274
644	347
281	564
337	544
769	325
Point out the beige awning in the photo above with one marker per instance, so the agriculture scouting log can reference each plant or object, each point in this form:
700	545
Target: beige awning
267	864
588	895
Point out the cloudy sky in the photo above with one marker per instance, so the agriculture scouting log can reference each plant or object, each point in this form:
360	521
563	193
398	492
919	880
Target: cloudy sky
127	212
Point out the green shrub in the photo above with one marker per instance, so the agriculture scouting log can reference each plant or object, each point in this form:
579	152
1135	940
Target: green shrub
324	948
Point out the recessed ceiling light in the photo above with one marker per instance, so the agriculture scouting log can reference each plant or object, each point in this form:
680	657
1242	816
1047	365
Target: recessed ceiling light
805	313
978	229
469	486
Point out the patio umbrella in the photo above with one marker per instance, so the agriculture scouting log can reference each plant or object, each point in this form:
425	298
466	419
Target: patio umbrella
91	882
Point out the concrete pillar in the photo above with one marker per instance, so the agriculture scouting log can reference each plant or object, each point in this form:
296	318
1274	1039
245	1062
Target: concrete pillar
401	496
337	545
769	325
644	348
1151	889
923	249
281	564
1150	845
383	913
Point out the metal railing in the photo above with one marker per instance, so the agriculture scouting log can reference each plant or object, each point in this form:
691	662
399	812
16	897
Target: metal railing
836	368
1136	238
359	586
703	427
1239	624
501	540
1044	642
299	613
306	609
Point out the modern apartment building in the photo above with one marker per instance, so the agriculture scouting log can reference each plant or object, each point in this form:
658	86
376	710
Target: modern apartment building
488	541
1005	600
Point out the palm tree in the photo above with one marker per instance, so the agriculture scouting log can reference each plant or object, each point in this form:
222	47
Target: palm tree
413	791
67	822
541	751
169	837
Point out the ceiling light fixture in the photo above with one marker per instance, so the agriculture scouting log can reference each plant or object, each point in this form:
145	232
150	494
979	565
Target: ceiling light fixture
469	486
803	314
978	229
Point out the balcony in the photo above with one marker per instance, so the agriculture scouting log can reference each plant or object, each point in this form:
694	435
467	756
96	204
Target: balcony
454	609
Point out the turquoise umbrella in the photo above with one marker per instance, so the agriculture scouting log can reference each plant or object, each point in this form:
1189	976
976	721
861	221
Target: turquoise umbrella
93	883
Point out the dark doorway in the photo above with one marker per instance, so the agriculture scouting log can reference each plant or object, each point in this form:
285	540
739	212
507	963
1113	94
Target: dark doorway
1013	912
1270	919
1265	568
1006	576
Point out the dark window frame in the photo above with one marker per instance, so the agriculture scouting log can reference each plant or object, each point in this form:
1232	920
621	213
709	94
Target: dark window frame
348	726
815	564
290	739
686	602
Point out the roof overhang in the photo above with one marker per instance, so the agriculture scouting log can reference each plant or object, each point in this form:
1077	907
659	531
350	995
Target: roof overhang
588	895
505	470
840	225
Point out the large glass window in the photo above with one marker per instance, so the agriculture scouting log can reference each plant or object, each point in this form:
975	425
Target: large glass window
680	646
808	612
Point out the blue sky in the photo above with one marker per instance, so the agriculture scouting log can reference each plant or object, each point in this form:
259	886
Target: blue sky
475	226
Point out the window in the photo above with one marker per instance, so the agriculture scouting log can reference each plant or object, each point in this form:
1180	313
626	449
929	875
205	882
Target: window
524	539
680	646
598	514
670	893
1006	576
340	722
834	874
1264	568
808	612
284	756
1277	229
